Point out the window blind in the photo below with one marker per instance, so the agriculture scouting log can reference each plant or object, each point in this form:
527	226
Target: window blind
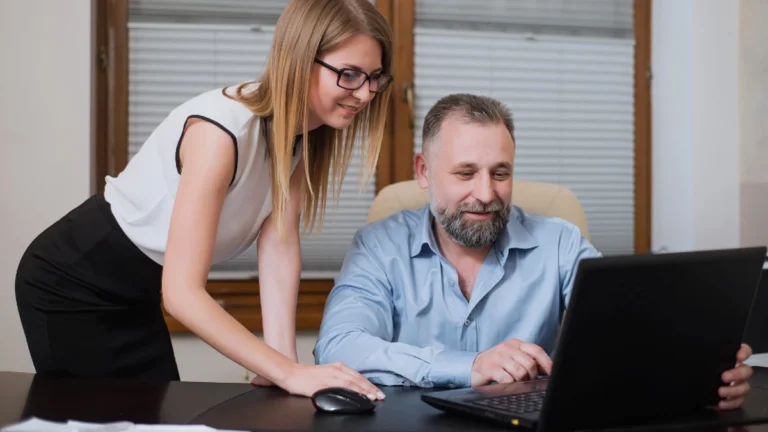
178	49
566	70
613	17
206	11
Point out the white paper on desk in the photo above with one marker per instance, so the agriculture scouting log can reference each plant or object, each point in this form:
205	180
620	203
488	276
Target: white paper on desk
38	425
760	360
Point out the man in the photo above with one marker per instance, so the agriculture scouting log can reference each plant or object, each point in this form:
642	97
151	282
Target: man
469	289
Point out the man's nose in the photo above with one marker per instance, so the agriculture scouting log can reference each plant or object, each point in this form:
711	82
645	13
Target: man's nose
484	189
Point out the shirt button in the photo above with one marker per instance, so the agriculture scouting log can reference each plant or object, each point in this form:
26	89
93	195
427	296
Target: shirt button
467	322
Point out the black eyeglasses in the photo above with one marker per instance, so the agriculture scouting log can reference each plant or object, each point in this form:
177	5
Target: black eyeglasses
353	79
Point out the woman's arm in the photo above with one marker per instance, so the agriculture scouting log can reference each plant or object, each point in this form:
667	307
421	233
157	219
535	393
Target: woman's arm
207	156
280	273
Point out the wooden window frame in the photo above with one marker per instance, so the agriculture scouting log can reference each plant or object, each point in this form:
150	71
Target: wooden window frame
401	14
241	297
642	31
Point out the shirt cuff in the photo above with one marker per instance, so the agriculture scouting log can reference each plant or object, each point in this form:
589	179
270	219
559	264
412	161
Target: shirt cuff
452	368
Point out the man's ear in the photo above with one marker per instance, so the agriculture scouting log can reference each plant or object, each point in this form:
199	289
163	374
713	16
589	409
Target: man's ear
420	168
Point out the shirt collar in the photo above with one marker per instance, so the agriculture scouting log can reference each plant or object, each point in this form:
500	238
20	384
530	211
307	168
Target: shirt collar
424	236
515	236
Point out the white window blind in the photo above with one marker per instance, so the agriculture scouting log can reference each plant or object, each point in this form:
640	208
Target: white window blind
566	70
180	48
247	11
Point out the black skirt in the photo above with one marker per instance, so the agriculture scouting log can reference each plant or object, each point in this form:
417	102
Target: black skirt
89	301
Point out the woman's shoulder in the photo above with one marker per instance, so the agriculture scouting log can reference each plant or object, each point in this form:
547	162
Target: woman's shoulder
219	107
231	116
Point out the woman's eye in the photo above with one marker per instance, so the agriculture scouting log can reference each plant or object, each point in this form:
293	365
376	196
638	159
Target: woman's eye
350	76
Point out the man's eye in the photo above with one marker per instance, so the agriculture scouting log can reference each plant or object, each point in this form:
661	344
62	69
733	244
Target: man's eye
502	175
465	174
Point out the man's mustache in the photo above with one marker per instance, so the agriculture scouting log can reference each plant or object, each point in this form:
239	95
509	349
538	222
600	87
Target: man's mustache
479	207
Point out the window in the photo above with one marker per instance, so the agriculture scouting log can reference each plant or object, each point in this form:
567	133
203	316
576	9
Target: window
177	50
566	70
575	75
155	54
572	71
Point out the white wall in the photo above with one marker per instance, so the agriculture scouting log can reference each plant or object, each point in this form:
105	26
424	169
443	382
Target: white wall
753	64
45	135
695	151
753	68
45	164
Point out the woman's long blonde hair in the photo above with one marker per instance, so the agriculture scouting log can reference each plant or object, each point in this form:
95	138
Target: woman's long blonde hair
306	29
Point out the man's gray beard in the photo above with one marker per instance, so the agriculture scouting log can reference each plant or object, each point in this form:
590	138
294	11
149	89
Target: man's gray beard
472	233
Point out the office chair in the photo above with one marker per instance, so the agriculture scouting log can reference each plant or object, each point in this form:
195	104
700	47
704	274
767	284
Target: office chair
546	199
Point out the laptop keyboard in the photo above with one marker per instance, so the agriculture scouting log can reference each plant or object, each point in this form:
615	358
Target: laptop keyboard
516	403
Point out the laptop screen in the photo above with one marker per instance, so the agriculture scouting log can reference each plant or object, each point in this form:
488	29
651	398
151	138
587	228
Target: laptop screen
756	334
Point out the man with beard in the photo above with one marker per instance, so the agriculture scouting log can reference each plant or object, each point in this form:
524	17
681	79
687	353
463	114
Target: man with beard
469	289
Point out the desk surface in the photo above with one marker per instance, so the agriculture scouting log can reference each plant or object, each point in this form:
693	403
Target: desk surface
242	406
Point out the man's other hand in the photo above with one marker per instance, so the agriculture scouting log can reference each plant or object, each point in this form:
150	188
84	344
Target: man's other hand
510	361
737	387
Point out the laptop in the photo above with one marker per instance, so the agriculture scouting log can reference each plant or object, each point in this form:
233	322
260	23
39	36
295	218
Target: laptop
645	337
757	326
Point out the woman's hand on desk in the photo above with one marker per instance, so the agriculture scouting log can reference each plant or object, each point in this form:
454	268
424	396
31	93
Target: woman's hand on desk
737	386
306	380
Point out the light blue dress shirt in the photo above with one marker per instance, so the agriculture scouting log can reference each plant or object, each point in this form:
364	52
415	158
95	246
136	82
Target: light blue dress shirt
397	315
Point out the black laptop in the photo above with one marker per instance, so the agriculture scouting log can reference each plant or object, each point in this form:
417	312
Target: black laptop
645	337
757	328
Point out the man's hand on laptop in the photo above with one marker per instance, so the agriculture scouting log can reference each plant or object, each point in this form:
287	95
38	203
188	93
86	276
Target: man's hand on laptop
736	387
510	361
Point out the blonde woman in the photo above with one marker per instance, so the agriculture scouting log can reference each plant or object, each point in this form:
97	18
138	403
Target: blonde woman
224	169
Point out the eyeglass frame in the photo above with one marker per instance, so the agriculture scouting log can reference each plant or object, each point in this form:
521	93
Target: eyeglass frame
367	77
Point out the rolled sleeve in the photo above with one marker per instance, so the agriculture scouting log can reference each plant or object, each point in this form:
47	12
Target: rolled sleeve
575	248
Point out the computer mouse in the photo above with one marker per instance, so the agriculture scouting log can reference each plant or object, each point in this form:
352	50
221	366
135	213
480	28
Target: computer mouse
342	401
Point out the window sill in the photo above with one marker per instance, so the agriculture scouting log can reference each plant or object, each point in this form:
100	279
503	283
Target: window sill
241	299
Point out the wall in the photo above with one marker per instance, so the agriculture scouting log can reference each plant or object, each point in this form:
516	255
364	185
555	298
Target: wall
45	135
46	125
710	139
697	156
753	90
672	125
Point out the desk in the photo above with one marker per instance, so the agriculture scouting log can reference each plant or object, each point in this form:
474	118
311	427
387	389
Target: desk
242	406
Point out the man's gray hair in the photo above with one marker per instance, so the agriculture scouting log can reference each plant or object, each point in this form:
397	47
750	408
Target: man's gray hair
470	108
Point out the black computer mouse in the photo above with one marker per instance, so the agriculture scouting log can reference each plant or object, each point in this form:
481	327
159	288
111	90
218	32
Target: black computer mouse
342	401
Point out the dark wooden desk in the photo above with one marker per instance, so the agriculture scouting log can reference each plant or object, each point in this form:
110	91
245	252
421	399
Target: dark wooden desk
243	407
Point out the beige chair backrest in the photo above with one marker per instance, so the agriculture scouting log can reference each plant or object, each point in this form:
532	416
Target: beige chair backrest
544	199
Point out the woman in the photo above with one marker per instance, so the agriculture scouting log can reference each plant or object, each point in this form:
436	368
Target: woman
223	169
